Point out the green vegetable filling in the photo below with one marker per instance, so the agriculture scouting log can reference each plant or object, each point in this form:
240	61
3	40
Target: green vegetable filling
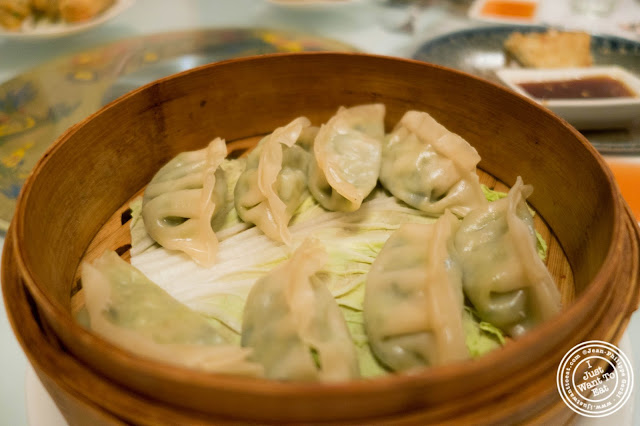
353	240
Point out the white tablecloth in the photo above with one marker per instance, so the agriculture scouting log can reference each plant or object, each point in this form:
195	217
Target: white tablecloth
366	26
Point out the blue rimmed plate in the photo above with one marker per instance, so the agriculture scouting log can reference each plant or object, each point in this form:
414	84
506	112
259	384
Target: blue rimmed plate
480	51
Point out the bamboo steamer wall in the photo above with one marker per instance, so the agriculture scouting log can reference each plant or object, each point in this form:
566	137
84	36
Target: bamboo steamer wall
95	167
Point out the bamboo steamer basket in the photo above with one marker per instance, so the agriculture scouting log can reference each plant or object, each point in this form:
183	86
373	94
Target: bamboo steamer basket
71	203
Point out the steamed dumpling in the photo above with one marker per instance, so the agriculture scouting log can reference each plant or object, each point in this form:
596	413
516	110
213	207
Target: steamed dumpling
430	168
294	325
413	302
274	183
182	199
131	311
504	277
348	152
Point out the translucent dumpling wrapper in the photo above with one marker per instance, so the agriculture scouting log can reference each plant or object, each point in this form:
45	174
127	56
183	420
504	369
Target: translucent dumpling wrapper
182	199
274	184
430	168
129	310
294	325
348	152
413	302
307	137
504	278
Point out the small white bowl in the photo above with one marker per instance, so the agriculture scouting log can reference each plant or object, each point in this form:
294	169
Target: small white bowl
583	114
476	12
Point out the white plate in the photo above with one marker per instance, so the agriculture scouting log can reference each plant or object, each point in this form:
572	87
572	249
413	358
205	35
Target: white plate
47	29
583	114
475	12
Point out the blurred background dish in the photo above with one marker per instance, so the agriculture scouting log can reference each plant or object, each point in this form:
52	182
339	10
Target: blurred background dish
46	29
38	105
480	51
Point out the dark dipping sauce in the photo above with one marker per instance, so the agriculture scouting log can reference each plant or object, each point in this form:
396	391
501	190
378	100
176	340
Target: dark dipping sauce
596	87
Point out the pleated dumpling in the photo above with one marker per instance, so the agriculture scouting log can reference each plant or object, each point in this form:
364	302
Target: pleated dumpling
129	310
182	199
413	301
294	325
504	278
430	168
274	184
348	152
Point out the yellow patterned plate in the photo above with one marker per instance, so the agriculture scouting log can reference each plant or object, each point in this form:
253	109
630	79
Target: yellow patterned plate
37	106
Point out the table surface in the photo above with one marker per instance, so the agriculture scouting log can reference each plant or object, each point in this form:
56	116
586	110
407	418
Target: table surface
370	26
